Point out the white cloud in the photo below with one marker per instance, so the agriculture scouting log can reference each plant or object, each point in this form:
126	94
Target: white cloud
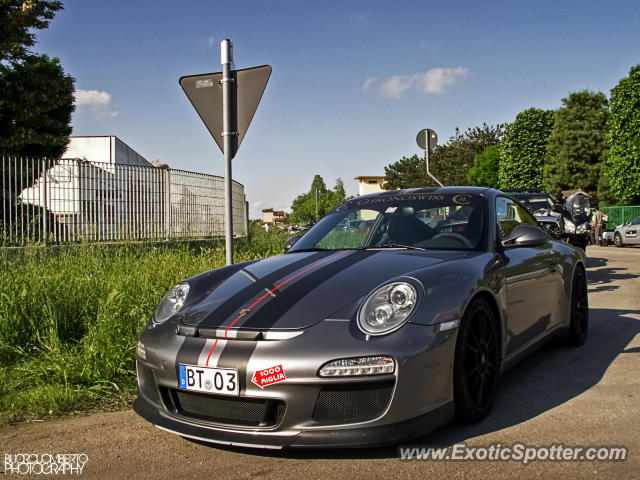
211	40
436	81
368	83
99	102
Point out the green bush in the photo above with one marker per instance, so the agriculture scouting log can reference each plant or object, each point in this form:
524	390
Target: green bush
624	138
69	320
523	148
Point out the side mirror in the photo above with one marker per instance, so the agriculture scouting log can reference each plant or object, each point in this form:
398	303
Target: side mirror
525	236
291	241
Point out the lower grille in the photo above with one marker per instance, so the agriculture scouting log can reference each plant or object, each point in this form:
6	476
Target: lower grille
352	402
250	412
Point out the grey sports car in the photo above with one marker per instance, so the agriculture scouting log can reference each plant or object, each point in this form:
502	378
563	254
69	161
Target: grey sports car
627	234
394	314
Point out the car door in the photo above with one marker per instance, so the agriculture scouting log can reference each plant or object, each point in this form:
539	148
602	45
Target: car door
532	279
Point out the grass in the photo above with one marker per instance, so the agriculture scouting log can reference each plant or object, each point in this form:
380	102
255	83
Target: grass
69	320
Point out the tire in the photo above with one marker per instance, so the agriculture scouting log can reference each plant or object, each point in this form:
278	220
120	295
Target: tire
476	363
617	240
579	321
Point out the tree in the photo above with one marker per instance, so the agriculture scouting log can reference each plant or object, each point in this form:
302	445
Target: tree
577	146
36	102
18	19
36	98
523	149
408	172
624	138
484	172
303	209
449	163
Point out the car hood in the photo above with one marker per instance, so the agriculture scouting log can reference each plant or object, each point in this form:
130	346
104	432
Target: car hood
298	290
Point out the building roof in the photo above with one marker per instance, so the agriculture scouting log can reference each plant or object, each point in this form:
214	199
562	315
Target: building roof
377	177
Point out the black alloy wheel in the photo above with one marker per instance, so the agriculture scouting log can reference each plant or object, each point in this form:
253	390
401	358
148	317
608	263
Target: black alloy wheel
477	363
579	323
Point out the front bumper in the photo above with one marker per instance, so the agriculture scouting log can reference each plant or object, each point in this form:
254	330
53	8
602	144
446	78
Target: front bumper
352	437
420	399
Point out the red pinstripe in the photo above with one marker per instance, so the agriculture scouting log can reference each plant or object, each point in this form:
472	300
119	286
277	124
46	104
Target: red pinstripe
317	264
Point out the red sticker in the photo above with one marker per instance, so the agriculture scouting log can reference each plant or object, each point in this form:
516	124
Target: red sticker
269	376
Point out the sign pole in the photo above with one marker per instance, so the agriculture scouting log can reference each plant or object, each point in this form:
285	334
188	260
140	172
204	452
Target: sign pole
226	54
426	139
426	159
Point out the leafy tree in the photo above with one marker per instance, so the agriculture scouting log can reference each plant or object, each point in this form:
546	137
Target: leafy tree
624	139
484	172
36	102
18	19
408	172
605	196
303	209
449	163
577	146
36	99
523	149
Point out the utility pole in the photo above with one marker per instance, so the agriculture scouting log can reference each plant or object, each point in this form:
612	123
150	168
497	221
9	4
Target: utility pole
226	55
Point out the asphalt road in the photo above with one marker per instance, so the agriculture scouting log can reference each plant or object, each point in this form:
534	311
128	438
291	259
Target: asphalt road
586	396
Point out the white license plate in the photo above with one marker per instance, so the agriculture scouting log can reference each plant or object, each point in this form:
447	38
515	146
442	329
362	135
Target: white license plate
223	381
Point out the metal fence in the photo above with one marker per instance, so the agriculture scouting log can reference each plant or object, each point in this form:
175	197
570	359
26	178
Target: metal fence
620	215
72	200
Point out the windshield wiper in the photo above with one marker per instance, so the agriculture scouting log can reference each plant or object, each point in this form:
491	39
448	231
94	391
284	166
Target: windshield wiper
311	249
396	245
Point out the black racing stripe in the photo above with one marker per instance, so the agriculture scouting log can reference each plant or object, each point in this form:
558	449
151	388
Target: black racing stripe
189	352
270	313
237	301
236	354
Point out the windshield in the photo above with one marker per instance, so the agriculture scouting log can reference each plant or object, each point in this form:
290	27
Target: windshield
535	204
421	221
578	205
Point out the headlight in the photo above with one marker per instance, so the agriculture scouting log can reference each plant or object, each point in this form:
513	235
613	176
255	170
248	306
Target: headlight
387	308
171	303
582	228
569	226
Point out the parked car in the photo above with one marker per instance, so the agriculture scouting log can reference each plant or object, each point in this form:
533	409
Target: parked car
565	219
544	208
627	234
359	338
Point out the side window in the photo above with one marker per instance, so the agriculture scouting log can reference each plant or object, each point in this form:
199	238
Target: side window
510	214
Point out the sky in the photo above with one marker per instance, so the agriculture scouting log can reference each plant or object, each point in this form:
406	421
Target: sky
353	81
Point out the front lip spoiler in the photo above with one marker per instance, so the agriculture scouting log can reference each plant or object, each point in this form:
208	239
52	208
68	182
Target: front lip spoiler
356	437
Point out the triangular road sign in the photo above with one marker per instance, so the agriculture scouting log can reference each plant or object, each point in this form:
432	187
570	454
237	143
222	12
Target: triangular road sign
205	93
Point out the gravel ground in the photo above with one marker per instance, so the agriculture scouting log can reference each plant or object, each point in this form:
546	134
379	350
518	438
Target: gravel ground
589	396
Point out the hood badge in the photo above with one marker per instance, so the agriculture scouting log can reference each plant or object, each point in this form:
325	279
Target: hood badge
244	312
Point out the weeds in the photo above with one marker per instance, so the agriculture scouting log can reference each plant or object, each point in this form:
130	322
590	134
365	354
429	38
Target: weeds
69	320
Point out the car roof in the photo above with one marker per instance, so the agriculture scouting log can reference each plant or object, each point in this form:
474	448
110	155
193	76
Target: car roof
486	192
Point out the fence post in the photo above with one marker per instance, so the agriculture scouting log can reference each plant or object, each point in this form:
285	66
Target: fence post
45	230
167	203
